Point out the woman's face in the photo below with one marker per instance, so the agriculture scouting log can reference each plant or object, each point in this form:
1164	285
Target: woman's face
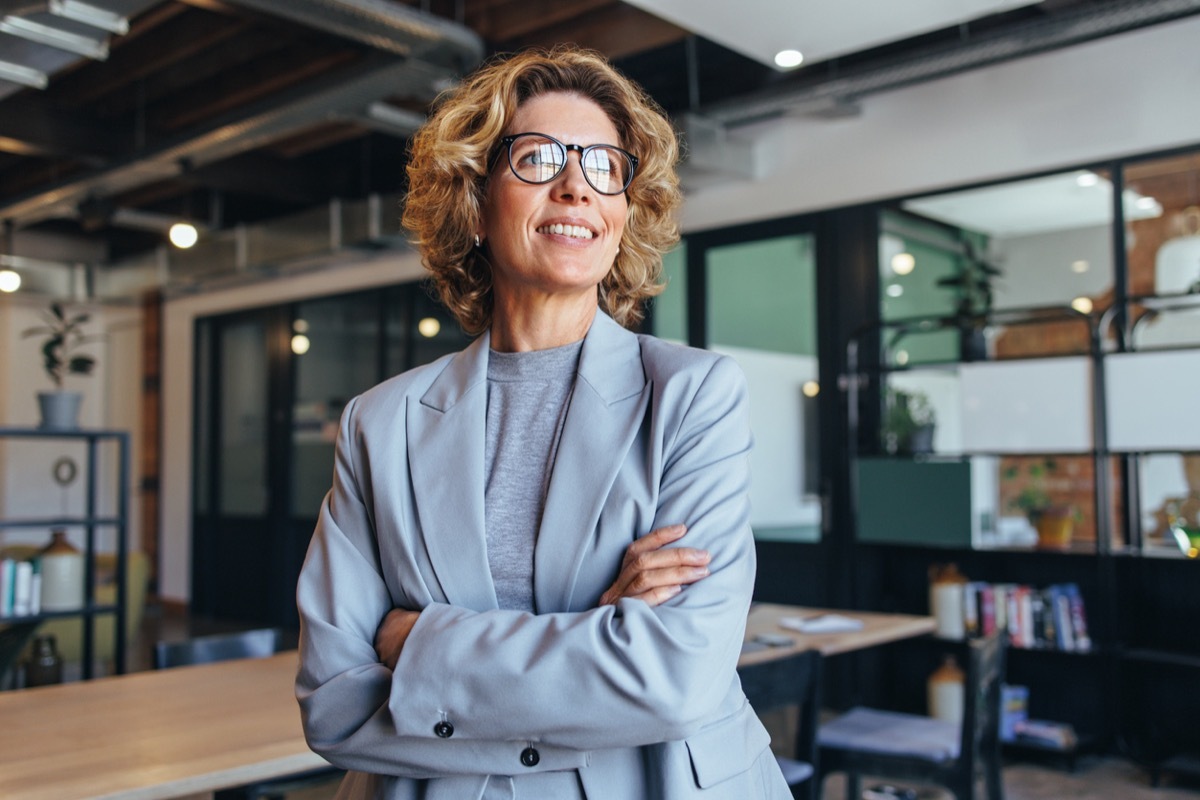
529	258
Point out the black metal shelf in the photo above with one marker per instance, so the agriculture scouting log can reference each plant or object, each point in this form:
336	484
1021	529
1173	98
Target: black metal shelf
89	521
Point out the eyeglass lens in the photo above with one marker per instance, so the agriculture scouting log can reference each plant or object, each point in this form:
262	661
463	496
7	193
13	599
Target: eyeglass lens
538	159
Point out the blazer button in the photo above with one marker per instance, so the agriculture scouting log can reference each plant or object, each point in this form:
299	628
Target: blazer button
530	757
444	729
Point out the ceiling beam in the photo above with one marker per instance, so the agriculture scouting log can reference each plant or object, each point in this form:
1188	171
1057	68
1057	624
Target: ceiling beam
617	32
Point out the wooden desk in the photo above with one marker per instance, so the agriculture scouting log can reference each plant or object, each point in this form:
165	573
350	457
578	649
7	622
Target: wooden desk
877	629
157	735
152	735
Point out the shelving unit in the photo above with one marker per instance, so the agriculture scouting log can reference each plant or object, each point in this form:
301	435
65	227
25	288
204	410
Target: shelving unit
1130	691
91	523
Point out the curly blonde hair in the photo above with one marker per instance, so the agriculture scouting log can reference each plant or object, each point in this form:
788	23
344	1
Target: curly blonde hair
449	162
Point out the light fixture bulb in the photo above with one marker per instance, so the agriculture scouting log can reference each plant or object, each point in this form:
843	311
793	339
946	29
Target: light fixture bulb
1082	304
429	327
811	388
1086	179
10	281
300	344
183	235
902	357
1079	267
903	263
788	59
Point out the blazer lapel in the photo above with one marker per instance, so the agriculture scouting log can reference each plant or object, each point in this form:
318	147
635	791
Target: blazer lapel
446	457
606	409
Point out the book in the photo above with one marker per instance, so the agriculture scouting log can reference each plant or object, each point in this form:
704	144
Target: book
1079	627
1014	708
1056	735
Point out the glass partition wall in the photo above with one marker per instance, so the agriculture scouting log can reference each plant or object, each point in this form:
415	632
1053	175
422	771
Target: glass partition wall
1047	336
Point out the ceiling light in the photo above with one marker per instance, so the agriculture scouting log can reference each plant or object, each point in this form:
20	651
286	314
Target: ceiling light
1082	304
10	281
300	344
183	235
788	59
1079	267
429	327
1087	179
811	388
903	263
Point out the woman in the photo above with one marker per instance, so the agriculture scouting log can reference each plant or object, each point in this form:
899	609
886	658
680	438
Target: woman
493	604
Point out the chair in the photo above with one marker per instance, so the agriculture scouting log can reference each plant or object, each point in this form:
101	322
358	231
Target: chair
791	681
258	643
913	747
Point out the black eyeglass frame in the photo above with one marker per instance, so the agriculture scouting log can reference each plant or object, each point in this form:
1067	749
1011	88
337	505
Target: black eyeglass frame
506	144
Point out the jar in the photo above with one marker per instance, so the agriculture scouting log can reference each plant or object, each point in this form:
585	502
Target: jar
45	665
946	601
945	692
62	574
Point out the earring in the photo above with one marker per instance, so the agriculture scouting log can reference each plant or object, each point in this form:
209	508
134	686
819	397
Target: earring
478	241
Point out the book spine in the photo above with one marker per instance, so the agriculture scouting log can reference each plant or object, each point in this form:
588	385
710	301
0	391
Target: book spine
1083	642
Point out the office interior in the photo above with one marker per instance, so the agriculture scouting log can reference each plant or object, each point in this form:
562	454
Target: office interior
989	210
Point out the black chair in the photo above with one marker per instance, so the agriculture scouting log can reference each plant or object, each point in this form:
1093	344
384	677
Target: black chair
785	682
912	747
258	643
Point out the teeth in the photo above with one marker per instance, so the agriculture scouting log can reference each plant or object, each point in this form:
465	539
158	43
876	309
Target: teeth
574	231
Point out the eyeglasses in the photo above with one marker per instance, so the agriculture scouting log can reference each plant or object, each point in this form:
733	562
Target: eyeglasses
538	158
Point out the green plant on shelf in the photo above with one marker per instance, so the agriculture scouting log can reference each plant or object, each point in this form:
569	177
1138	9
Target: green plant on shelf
63	336
1053	519
908	422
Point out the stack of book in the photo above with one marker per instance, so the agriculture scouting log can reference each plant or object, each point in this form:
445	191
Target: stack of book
1052	618
20	588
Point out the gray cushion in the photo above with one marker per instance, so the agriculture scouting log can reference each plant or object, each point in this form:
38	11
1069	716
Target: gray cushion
892	733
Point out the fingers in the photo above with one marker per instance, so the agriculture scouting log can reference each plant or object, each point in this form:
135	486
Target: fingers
654	540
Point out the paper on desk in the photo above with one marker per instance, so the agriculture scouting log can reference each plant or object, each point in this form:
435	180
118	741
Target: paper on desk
825	623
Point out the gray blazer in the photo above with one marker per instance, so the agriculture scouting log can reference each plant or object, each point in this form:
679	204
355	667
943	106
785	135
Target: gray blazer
643	702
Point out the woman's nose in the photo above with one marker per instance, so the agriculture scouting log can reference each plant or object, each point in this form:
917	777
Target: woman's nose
571	185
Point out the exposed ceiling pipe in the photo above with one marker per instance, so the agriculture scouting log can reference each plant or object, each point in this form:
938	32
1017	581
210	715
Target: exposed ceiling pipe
439	52
1091	23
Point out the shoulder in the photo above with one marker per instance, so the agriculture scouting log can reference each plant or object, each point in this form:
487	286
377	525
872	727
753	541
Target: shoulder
671	363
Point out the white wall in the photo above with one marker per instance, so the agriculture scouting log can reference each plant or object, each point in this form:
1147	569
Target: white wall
1118	96
111	399
179	316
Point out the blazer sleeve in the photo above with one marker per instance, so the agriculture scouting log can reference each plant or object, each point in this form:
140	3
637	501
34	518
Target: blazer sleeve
612	676
342	687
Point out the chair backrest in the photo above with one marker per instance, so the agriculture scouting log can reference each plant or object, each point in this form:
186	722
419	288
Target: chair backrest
794	680
258	643
981	709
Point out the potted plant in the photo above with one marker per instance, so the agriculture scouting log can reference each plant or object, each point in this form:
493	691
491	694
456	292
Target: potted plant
63	336
908	422
973	284
1053	520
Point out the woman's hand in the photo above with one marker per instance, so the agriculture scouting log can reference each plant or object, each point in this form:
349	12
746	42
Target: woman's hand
655	573
393	633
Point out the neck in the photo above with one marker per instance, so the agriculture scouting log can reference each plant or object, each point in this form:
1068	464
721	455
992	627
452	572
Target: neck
540	326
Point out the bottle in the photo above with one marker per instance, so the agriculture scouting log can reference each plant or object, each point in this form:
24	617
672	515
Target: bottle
45	665
945	692
62	574
946	589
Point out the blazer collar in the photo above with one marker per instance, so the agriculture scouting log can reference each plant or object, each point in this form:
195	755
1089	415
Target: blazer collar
446	453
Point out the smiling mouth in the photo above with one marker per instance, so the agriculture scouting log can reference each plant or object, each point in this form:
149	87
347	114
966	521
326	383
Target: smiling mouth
572	231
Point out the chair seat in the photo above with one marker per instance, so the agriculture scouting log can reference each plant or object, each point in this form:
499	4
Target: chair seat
892	733
794	771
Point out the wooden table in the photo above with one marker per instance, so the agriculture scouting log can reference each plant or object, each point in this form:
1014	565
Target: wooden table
157	735
877	629
152	735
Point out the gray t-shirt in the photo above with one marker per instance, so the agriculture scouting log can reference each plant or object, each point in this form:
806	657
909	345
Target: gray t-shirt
527	403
